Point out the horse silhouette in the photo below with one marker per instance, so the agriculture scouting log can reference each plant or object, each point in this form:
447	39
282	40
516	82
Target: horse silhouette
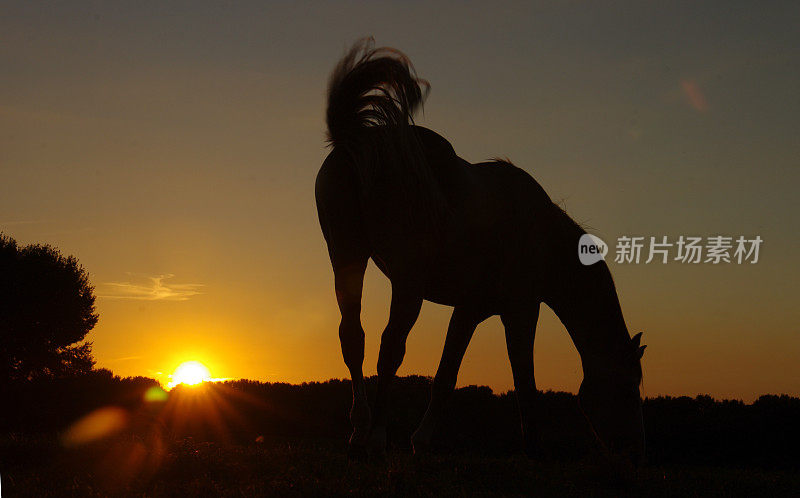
483	238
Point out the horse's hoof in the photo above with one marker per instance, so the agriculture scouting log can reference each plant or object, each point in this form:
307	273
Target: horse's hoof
533	454
377	451
377	443
420	446
377	455
534	451
357	453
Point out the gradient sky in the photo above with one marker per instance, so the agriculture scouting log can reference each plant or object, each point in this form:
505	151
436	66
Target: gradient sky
173	150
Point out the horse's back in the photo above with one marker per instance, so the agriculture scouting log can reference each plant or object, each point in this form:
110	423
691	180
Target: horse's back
483	252
489	253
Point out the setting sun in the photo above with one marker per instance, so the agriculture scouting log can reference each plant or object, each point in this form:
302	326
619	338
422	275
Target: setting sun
190	373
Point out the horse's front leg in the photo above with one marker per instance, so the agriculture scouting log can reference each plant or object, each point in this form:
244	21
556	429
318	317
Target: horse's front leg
520	325
462	325
405	308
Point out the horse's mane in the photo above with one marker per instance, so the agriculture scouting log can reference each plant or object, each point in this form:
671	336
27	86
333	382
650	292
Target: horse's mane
373	94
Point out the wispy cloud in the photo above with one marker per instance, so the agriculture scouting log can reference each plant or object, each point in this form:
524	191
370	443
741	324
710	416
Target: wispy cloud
149	288
694	95
125	358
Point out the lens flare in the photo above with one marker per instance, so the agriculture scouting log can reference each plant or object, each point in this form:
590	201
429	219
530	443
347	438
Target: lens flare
190	373
155	394
94	426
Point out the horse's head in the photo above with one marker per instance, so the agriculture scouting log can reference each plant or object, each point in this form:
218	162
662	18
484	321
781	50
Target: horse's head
611	402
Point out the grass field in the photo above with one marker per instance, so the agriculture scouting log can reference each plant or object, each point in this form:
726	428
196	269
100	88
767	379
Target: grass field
247	438
37	466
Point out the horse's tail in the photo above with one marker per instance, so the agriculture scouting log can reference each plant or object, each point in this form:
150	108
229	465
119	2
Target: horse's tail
371	87
373	94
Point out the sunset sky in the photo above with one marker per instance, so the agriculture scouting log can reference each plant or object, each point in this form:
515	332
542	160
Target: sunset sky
173	150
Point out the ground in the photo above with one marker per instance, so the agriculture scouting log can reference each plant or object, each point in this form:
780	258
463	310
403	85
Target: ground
125	465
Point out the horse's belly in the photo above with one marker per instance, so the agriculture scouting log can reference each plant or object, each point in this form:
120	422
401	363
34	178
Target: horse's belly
460	276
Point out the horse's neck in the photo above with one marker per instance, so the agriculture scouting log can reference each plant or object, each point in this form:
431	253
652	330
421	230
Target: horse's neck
585	300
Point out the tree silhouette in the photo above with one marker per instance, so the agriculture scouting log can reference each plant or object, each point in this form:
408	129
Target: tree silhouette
46	310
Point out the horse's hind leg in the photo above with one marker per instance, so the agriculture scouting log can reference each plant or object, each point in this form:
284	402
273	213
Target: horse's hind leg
349	281
520	326
462	325
348	247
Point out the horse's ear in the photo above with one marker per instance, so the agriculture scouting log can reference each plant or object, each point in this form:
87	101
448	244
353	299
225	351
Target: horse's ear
636	340
640	351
